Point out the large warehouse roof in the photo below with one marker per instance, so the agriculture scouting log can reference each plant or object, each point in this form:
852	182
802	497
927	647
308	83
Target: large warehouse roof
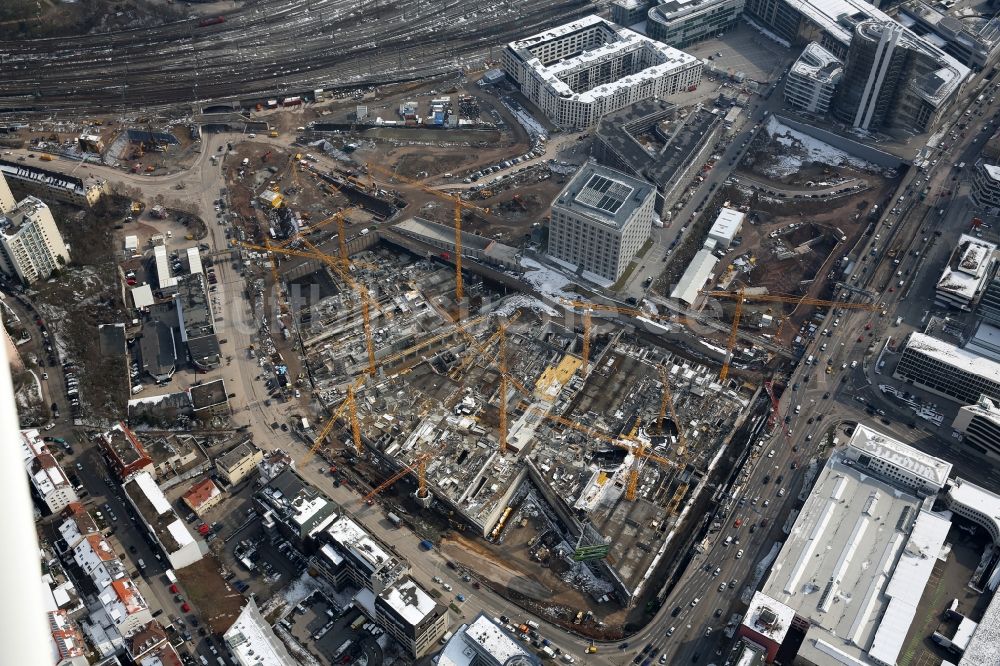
695	276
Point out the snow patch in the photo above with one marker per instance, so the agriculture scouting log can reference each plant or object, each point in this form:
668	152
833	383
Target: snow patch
802	148
525	302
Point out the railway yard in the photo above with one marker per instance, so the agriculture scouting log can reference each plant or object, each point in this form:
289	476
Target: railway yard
278	47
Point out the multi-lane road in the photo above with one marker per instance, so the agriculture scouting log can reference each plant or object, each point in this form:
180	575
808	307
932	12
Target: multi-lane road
275	46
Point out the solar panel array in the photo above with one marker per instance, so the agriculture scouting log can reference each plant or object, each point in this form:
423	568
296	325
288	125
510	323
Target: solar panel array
604	194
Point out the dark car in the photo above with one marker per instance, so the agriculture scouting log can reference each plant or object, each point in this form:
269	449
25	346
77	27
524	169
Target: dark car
779	478
623	646
675	612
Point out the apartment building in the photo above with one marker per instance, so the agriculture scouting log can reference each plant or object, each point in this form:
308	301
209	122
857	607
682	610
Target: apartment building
813	79
351	554
600	220
55	186
48	480
125	606
123	452
235	465
31	247
577	72
161	522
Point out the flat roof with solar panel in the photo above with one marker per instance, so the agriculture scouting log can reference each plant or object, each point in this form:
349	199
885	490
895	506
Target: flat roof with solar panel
605	195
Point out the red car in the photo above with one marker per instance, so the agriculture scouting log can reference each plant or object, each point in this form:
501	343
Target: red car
186	607
174	589
739	521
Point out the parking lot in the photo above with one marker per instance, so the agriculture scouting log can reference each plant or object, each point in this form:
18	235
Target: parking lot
744	50
333	634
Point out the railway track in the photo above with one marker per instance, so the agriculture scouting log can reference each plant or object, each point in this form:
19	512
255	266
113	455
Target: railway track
263	49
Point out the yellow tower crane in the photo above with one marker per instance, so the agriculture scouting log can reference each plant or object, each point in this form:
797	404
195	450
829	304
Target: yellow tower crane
741	296
336	265
459	204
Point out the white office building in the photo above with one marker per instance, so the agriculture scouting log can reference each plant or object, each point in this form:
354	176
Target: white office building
577	72
600	220
986	187
682	22
946	370
979	426
812	80
483	642
899	463
411	616
31	247
964	278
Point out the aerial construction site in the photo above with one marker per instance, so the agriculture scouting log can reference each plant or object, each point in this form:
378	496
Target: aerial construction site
515	409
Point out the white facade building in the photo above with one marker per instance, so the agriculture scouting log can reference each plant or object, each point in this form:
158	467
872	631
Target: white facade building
942	368
682	22
964	278
857	559
31	247
979	426
484	642
600	220
726	226
577	72
986	186
47	477
812	79
411	616
897	462
124	606
253	643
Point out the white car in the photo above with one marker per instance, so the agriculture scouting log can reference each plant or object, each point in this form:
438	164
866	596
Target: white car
50	426
739	554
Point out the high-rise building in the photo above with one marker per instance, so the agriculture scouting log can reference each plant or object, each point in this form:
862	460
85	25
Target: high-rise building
894	80
986	186
411	616
979	425
966	274
812	80
577	72
31	247
600	220
989	303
